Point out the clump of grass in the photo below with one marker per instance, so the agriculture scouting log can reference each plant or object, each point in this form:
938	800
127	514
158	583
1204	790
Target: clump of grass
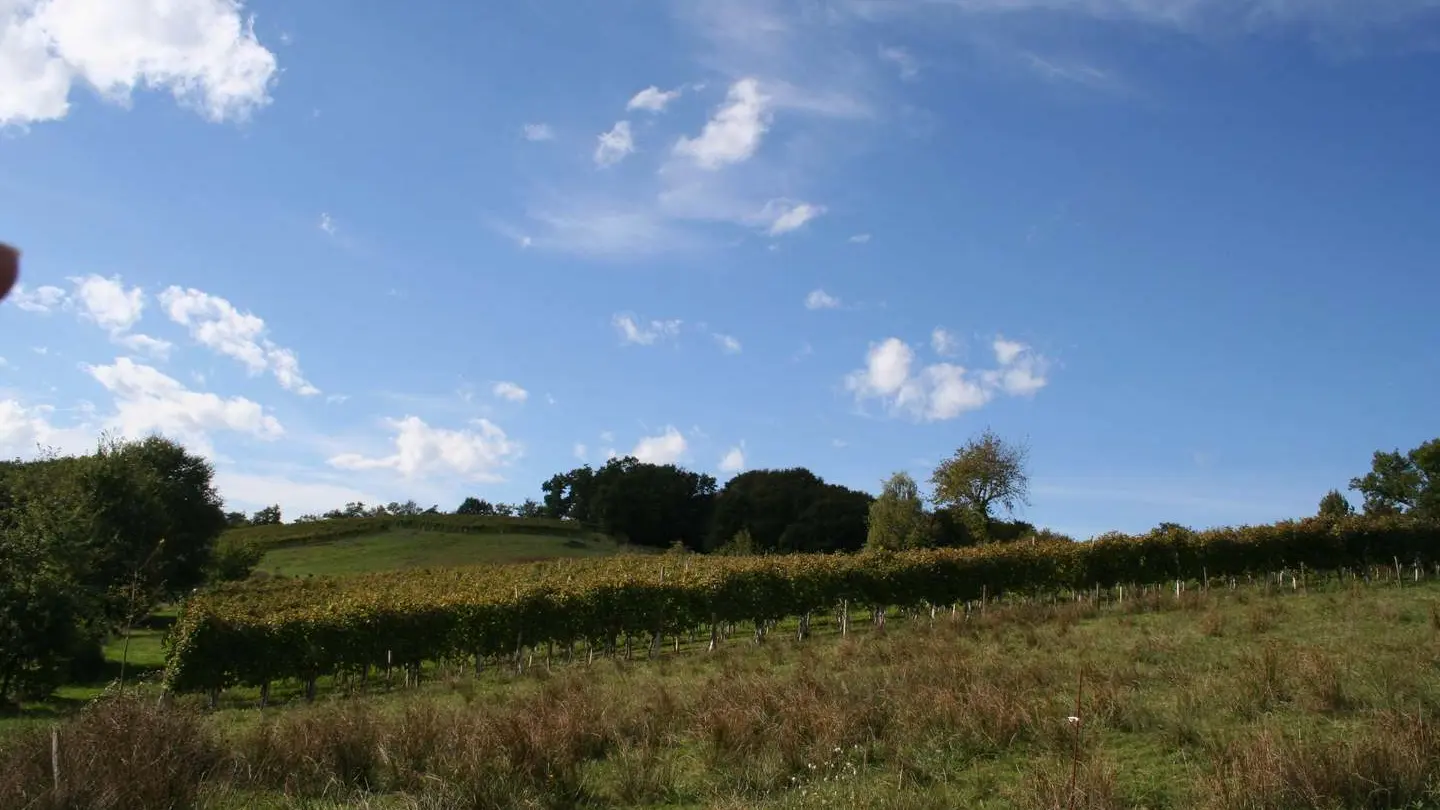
1391	761
1058	784
120	753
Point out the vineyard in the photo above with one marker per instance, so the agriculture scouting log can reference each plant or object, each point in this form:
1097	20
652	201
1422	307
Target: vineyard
253	634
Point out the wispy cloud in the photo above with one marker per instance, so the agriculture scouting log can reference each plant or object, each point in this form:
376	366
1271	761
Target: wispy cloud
791	216
613	146
633	331
859	238
819	299
510	391
728	343
536	133
903	61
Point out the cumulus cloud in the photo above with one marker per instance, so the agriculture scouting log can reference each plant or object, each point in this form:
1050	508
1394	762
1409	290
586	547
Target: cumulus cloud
667	448
148	401
203	52
733	461
44	299
422	451
734	132
643	334
26	430
216	324
819	299
108	303
537	132
786	216
652	99
614	145
943	390
510	391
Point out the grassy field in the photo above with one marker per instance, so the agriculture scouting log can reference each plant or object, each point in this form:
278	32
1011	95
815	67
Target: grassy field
1230	699
416	548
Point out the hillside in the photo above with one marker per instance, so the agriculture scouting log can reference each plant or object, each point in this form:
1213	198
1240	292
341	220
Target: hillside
363	545
1228	699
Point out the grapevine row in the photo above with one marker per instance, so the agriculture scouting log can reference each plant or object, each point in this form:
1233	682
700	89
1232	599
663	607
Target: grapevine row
256	633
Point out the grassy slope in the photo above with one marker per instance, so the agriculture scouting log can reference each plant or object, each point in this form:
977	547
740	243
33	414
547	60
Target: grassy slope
413	548
1225	700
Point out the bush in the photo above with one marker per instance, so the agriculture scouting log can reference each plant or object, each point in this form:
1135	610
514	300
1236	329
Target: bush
233	559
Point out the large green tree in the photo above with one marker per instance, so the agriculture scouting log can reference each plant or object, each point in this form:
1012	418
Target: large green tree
985	473
646	504
1403	483
88	543
789	510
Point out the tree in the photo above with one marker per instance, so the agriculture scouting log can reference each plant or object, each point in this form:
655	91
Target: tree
789	510
406	509
531	508
1406	483
1334	505
897	518
645	504
987	471
268	516
475	506
236	519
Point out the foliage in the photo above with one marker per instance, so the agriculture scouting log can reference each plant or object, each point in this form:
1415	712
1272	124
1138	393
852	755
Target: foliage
741	545
254	633
233	559
1403	483
475	506
897	519
987	471
645	504
265	517
89	543
1335	505
789	510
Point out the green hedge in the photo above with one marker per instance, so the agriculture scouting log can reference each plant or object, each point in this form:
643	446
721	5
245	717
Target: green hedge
256	633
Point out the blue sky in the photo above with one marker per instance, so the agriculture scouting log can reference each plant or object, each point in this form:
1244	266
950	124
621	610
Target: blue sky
1185	248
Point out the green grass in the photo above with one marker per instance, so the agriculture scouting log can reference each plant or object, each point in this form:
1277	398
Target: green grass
1228	700
414	548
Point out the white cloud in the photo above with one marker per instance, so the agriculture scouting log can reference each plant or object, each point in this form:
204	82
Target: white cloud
327	224
607	436
667	448
580	451
728	343
146	401
788	216
106	302
819	299
216	324
145	344
204	52
296	498
633	331
902	59
510	391
421	450
652	99
614	145
24	431
734	133
733	460
1022	372
44	299
538	132
943	391
859	238
945	343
